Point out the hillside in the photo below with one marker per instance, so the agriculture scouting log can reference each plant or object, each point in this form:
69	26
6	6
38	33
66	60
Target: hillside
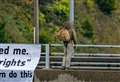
93	24
15	22
104	27
96	21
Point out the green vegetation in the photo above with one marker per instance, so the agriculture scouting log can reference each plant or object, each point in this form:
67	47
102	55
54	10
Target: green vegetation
52	15
87	29
97	24
15	22
106	6
96	21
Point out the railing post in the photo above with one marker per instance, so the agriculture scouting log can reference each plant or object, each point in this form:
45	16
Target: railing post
47	57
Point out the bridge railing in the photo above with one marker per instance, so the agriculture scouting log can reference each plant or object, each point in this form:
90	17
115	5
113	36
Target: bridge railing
96	58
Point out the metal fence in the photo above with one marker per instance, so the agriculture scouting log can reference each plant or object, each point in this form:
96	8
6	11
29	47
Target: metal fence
96	58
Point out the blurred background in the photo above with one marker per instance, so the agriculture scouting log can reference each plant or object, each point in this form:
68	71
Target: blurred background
96	21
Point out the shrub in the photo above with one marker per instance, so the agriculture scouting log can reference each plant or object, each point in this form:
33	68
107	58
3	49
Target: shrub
106	6
87	29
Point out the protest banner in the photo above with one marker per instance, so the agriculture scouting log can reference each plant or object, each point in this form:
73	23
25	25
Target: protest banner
18	62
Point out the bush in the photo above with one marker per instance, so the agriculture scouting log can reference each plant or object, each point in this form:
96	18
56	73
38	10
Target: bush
57	12
46	36
106	6
90	5
87	29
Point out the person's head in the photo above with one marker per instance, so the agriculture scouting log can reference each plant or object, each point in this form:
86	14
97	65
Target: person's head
67	25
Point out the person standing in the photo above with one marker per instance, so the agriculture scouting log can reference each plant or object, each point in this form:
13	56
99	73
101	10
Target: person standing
67	35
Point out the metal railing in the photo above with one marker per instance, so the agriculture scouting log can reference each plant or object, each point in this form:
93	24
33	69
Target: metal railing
52	55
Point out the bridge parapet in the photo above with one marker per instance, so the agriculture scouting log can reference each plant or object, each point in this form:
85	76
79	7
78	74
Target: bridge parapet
85	57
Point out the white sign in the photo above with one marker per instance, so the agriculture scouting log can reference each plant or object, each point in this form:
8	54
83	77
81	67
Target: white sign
18	62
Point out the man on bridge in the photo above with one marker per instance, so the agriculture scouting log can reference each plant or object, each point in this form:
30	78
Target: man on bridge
68	36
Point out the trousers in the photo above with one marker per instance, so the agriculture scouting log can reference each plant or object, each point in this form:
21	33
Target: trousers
68	53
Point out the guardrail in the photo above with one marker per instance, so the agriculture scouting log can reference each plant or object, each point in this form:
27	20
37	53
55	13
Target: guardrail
80	60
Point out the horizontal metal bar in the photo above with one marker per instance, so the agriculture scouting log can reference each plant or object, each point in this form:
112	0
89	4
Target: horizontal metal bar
43	62
54	53
43	53
94	63
88	54
87	63
79	45
100	46
83	67
56	67
86	57
89	67
54	56
97	57
58	45
83	63
44	44
96	54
